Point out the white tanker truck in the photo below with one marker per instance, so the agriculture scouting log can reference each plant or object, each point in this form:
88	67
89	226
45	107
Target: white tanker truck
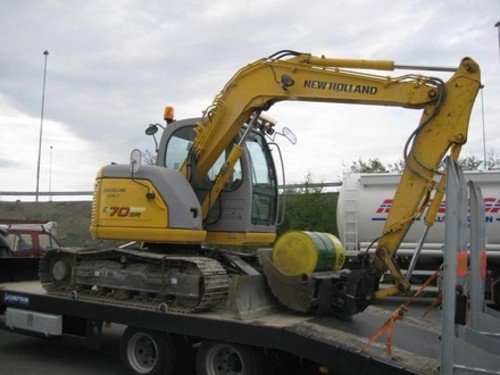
365	201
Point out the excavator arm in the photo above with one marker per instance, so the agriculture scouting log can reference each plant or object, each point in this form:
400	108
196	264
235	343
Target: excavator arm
443	126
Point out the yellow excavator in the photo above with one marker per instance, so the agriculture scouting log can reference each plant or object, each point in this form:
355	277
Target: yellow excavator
215	185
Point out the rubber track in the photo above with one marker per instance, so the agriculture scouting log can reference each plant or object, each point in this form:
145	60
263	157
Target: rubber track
214	292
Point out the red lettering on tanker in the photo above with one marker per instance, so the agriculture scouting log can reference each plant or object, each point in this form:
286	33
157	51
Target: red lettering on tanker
491	206
385	207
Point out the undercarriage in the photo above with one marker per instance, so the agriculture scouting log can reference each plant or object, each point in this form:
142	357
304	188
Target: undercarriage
201	281
173	282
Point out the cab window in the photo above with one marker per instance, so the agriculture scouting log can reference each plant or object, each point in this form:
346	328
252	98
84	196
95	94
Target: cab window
47	242
177	150
263	181
178	147
20	242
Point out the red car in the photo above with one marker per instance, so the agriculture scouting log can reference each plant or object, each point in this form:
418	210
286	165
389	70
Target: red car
21	246
29	240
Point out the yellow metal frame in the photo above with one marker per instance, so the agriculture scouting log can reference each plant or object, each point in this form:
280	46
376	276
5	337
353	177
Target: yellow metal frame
160	235
239	238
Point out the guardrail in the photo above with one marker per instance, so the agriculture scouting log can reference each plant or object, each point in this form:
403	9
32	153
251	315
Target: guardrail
45	194
89	193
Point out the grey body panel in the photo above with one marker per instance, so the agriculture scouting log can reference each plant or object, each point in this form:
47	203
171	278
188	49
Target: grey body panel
173	188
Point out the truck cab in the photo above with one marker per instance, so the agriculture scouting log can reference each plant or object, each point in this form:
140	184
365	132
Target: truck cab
29	240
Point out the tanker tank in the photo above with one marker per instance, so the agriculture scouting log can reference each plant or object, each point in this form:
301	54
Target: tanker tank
366	199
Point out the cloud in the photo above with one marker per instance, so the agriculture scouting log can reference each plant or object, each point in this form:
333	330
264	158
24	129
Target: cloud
4	163
114	65
74	161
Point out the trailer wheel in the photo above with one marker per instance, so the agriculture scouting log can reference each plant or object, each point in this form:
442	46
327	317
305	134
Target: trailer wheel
217	358
148	352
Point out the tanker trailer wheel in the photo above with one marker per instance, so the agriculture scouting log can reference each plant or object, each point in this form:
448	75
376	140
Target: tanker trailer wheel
148	352
218	358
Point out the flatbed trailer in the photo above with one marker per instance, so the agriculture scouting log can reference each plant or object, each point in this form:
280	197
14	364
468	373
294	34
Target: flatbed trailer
324	342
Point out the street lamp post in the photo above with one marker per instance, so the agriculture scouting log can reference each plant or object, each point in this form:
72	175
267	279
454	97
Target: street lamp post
497	25
46	53
50	175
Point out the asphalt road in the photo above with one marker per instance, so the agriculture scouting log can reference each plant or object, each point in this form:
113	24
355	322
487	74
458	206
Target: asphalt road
20	354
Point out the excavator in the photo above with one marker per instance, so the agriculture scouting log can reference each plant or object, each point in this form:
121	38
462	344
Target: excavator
215	185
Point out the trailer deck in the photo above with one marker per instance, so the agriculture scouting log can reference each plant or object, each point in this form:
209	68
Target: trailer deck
324	340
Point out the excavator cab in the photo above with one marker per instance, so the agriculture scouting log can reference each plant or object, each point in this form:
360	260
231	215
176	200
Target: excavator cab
157	204
245	211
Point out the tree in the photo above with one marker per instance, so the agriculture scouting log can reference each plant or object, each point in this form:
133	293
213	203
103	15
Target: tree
149	157
469	162
492	161
371	166
310	208
398	166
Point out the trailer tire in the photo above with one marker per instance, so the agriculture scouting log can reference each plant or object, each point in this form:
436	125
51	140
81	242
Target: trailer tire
217	358
148	352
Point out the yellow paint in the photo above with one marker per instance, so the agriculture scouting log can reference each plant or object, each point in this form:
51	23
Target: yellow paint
387	292
237	238
295	253
447	131
159	235
123	203
298	252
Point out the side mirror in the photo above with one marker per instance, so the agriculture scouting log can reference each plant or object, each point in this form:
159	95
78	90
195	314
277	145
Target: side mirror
289	135
135	160
152	129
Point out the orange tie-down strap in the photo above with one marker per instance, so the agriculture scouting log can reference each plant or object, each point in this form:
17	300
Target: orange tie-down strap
483	255
435	303
462	263
398	314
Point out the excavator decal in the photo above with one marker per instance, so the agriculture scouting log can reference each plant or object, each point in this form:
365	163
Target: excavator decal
335	86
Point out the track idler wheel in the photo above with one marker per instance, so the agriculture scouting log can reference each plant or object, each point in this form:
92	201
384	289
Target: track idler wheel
55	270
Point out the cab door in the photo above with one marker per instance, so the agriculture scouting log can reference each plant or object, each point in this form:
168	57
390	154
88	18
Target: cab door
247	204
22	244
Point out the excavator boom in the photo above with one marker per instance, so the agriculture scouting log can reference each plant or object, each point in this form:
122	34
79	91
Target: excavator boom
443	126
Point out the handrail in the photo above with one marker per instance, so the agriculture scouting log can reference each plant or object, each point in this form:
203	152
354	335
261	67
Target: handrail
88	193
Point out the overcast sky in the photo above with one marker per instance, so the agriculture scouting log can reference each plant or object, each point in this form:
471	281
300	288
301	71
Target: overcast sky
113	66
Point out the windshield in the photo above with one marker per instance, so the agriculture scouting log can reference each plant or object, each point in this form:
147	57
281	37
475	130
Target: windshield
263	181
177	151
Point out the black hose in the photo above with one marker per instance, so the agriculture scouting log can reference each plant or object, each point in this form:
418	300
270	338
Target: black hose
284	53
441	97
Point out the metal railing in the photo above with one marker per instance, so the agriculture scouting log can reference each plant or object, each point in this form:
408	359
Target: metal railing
89	193
46	194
